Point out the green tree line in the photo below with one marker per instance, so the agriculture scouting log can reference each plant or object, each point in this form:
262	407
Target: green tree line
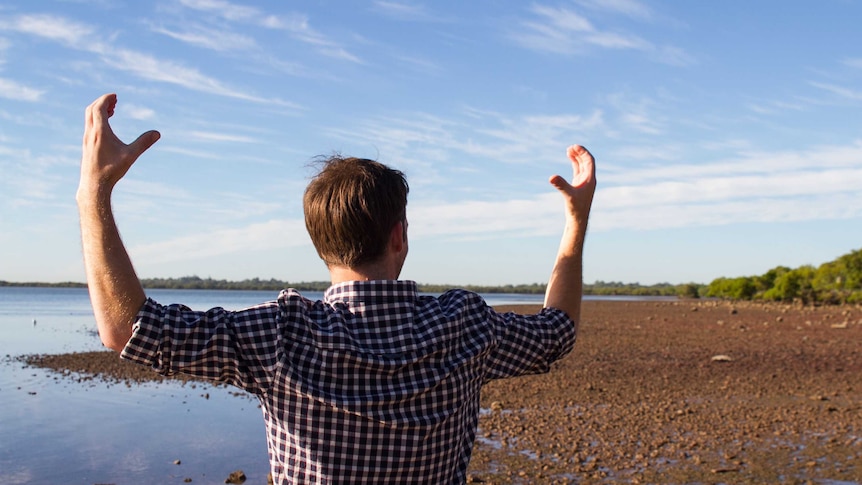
688	290
597	288
838	281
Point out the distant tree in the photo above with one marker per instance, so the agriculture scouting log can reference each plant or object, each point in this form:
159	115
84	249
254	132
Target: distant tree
766	281
741	288
792	285
852	263
688	290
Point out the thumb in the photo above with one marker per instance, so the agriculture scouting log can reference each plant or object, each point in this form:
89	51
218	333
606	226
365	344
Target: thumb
144	142
560	183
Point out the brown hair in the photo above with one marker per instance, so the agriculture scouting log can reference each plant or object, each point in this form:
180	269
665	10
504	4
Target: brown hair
350	208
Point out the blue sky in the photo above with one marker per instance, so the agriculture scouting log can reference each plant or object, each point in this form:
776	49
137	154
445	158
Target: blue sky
728	135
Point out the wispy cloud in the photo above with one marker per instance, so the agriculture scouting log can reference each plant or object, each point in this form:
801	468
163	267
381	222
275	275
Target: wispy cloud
686	200
630	8
561	30
30	179
301	30
272	234
756	187
209	38
181	150
81	37
148	199
149	67
745	163
228	10
12	90
566	31
296	25
136	112
420	65
672	56
406	11
776	107
839	91
219	137
50	27
486	135
761	210
4	45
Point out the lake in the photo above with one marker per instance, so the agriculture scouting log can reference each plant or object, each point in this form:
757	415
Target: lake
56	429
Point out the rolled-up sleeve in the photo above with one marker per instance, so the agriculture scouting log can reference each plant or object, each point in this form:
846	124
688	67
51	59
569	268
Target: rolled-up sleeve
234	347
529	344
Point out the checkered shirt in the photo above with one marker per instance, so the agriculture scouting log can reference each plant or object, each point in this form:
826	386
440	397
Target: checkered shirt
374	384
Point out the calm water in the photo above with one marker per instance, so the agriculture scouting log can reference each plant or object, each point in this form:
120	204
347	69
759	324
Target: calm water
59	430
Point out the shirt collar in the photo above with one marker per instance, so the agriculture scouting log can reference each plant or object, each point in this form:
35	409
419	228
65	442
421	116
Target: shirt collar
372	291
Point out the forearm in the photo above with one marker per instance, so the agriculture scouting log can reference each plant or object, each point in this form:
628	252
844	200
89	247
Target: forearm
565	286
115	291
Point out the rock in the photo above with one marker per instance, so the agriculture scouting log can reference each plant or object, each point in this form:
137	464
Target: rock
236	477
177	462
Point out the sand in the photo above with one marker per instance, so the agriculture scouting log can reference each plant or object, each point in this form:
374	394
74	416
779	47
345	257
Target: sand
663	392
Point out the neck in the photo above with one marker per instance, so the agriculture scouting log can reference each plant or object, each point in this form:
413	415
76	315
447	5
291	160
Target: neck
340	274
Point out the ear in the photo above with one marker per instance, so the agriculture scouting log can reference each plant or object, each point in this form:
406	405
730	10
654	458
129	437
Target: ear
398	237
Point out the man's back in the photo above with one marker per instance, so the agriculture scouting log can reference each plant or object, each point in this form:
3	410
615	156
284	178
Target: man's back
375	384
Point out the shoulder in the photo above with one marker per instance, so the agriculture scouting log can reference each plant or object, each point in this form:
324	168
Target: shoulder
461	297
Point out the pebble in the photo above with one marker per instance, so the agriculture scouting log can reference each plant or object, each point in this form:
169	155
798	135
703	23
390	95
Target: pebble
236	477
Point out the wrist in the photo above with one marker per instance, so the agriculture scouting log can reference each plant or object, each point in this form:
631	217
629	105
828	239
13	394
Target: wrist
89	196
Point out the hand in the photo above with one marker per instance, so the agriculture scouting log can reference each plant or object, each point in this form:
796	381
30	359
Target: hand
105	158
578	194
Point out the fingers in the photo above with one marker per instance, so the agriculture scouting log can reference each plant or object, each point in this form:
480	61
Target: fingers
98	112
143	142
583	165
101	109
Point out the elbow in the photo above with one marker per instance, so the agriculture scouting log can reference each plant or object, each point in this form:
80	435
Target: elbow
114	340
113	344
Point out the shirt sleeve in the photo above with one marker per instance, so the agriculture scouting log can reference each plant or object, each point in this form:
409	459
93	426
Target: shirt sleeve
529	344
236	348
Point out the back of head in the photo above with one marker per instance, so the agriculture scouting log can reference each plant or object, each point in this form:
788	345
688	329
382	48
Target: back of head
350	209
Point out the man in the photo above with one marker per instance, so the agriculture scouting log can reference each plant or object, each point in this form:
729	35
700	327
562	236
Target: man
375	384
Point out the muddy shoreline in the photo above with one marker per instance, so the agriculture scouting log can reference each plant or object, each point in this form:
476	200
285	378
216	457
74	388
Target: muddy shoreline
661	392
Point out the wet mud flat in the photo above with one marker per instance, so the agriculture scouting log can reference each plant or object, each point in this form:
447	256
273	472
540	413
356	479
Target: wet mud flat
686	392
661	392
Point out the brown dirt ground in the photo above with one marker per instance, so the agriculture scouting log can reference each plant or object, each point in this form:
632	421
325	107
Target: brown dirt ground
641	399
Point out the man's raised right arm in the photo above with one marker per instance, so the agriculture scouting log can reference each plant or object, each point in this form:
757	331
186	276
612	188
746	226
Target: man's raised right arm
565	286
115	291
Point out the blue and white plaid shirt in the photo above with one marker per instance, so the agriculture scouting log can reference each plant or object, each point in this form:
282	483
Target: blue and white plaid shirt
374	384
